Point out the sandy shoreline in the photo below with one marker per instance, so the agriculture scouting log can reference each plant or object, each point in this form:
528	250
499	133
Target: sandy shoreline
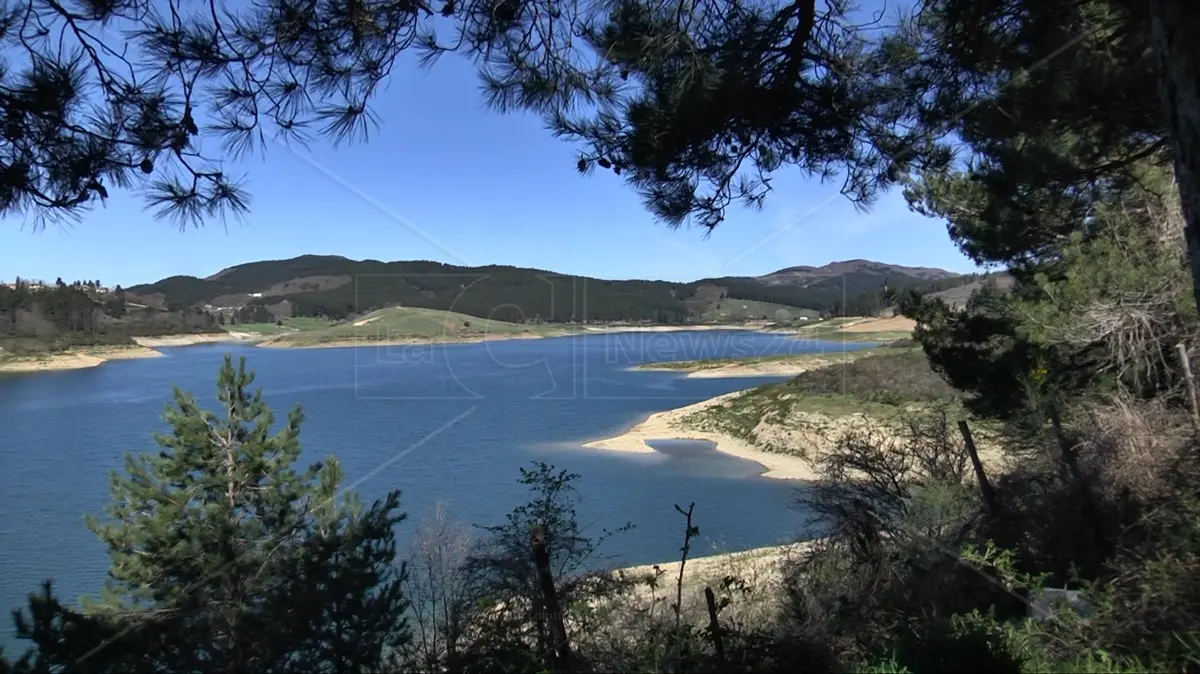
703	565
93	356
77	359
783	367
671	328
666	426
194	339
762	568
281	341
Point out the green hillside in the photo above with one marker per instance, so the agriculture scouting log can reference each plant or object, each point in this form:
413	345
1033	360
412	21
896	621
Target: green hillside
401	323
839	288
339	288
731	309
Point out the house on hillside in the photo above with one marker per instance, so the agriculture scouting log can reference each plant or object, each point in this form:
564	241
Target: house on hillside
32	285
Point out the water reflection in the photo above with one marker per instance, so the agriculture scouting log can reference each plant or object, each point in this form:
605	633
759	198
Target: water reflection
701	458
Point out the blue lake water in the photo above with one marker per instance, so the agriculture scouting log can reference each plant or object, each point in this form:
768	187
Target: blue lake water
448	424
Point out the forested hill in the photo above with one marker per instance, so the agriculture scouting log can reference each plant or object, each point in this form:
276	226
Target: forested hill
338	287
36	318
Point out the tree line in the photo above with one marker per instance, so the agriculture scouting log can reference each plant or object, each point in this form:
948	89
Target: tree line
64	315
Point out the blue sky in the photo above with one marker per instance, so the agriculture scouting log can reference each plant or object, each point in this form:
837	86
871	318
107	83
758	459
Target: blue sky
445	179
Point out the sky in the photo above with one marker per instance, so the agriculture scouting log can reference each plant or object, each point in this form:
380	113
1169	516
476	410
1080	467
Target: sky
443	178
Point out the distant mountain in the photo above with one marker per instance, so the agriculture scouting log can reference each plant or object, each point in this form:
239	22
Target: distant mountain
807	276
339	287
852	286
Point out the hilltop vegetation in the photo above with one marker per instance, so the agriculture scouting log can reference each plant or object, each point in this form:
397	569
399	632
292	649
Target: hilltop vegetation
36	320
337	288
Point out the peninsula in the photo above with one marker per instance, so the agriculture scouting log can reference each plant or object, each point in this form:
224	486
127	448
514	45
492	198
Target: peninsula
788	427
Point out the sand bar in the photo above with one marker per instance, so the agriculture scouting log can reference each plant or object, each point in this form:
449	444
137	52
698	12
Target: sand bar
193	339
775	367
76	359
667	426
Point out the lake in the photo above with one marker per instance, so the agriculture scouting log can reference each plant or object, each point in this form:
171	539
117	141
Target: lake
446	424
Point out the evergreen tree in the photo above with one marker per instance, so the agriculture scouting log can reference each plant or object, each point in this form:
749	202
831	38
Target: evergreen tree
510	615
225	558
115	307
65	640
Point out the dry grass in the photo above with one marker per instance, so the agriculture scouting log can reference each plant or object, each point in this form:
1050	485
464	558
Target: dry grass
1134	445
893	324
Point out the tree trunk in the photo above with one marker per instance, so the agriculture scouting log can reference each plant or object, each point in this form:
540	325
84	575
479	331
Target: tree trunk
1175	27
990	503
1189	381
714	626
560	651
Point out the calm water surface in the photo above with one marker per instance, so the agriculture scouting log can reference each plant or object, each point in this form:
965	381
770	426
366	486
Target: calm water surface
442	423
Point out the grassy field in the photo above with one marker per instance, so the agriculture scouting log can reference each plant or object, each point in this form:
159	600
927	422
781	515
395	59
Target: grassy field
411	323
290	325
857	329
728	309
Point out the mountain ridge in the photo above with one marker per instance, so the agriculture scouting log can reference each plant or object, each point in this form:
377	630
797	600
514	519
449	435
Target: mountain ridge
337	286
804	274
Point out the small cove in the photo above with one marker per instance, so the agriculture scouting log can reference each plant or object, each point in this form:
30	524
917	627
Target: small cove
700	458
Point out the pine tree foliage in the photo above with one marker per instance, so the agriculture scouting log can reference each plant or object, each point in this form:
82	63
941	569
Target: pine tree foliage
225	557
1026	114
501	571
1047	152
694	103
1104	316
103	94
64	639
984	351
1124	293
